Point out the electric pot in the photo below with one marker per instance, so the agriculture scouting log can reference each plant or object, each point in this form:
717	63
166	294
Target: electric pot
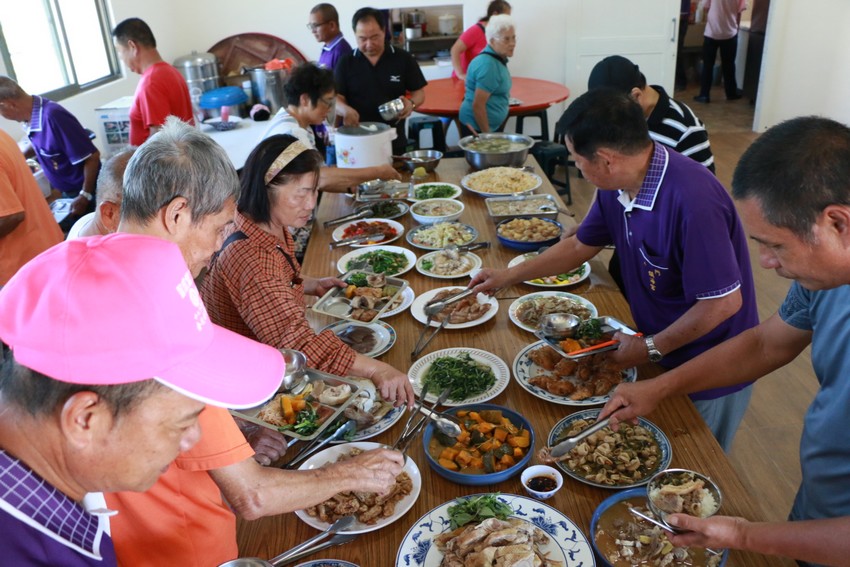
267	86
366	145
200	71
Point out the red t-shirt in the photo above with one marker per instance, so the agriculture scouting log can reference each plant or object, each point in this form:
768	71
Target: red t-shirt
475	41
183	519
162	92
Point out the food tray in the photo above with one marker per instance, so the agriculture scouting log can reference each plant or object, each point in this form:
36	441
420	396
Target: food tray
335	304
329	413
379	189
609	326
548	199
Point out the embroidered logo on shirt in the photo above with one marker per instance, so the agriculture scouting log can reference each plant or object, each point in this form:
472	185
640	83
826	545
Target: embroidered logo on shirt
395	78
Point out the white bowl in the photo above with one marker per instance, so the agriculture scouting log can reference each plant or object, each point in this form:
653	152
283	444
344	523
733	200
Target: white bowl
422	215
541	470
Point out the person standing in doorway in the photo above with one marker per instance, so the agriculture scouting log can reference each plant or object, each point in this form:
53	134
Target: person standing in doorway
721	32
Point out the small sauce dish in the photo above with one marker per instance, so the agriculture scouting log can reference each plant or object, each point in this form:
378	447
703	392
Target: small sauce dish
541	481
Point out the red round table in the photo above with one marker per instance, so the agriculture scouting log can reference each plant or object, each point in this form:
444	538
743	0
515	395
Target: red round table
443	96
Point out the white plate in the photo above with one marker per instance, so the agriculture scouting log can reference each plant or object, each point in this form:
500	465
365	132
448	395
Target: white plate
332	454
338	232
384	334
458	191
214	121
524	370
466	178
414	232
407	297
473	264
528	255
500	370
327	563
411	257
567	544
515	305
418	309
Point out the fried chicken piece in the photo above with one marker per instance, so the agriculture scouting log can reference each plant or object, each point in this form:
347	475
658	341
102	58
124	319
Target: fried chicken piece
582	392
545	356
565	367
553	384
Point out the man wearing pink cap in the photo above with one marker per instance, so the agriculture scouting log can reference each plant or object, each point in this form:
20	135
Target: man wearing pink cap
181	186
76	419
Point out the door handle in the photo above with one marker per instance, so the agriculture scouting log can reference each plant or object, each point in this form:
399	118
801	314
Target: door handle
673	30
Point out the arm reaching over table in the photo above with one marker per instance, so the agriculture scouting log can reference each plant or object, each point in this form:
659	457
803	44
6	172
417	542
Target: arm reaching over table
813	541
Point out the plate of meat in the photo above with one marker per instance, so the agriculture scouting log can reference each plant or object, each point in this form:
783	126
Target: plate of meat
588	381
388	229
373	511
468	312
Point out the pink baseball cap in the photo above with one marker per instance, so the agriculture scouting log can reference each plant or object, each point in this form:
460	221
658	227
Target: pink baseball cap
122	308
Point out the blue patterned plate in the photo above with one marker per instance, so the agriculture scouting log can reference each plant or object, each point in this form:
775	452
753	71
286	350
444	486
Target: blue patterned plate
524	370
559	432
566	544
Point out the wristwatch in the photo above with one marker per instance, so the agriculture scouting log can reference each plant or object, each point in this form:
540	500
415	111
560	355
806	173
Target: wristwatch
654	354
86	194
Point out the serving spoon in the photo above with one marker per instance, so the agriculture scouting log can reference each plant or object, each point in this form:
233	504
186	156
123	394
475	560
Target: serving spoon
446	423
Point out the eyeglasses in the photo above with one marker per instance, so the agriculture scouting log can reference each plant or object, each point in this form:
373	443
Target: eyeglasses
314	27
508	39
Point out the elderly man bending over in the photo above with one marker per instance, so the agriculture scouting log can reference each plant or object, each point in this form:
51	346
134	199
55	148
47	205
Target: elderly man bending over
110	191
181	186
75	419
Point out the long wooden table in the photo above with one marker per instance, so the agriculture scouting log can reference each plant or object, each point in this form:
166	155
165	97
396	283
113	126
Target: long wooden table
692	443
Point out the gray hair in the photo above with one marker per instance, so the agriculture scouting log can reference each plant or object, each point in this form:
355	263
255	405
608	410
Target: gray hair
498	24
178	161
110	180
39	395
10	90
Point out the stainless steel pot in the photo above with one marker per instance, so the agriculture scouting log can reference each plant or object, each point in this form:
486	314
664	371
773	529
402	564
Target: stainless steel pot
267	86
200	71
483	160
392	109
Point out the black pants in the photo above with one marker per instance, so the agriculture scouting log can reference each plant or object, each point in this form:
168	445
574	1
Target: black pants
728	49
681	71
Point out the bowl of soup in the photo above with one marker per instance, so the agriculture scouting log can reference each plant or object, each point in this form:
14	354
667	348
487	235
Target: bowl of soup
495	444
430	211
496	149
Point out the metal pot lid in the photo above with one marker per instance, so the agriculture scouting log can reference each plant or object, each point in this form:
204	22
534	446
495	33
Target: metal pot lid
363	129
196	59
224	96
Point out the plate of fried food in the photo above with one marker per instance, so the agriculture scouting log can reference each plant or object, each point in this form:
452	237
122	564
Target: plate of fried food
530	533
468	312
527	310
373	511
587	381
385	229
608	459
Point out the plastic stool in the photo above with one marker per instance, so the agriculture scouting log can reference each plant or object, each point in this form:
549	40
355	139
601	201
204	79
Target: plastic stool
548	155
544	123
415	126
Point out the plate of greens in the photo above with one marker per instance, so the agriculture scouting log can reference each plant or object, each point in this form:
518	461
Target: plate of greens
388	260
572	277
435	190
473	375
562	541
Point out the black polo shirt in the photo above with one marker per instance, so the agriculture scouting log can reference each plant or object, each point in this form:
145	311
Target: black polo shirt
366	86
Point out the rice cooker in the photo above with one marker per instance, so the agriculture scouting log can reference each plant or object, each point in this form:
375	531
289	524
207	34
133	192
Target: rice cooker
367	145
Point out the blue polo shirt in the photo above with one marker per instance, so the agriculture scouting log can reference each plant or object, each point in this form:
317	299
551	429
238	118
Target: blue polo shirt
824	446
333	51
61	144
679	241
488	72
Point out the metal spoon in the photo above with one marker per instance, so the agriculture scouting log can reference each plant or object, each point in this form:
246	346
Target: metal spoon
446	423
548	208
667	528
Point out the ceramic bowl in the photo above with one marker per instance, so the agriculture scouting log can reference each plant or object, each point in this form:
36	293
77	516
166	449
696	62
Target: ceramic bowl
545	471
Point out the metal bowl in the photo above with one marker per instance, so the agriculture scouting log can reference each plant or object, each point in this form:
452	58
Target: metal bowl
428	159
483	159
293	374
671	476
559	325
392	109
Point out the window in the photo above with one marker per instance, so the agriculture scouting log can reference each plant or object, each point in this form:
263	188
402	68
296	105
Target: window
58	48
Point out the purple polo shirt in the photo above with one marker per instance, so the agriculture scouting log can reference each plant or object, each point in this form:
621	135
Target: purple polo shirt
42	526
332	51
679	241
61	144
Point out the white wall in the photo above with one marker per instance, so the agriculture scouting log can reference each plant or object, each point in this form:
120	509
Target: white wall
806	64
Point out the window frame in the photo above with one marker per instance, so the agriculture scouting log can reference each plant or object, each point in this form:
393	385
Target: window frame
58	26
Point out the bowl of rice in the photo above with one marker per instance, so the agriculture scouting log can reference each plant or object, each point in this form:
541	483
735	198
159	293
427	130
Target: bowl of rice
430	211
682	491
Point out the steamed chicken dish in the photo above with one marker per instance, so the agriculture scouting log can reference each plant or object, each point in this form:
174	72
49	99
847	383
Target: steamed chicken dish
448	263
511	542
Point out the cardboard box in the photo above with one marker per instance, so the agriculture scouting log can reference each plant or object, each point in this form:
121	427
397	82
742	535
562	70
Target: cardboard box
114	120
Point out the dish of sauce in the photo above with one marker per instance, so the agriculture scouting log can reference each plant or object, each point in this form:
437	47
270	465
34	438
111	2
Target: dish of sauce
542	483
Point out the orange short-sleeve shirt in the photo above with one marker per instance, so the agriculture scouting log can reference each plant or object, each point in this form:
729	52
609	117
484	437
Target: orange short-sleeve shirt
183	519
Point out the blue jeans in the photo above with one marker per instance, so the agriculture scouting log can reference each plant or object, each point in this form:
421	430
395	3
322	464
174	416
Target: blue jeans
723	415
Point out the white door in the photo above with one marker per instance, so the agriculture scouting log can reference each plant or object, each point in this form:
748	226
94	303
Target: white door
643	31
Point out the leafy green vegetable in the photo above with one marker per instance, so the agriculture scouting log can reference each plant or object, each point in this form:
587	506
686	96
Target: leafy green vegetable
381	261
465	376
358	279
427	265
306	421
384	209
590	329
478	509
434	192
